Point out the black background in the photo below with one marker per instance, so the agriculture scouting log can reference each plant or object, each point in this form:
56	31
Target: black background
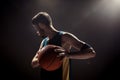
19	41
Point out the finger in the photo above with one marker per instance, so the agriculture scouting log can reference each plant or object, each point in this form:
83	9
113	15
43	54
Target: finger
59	50
61	54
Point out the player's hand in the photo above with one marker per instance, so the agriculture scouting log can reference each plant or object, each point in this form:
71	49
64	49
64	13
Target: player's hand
61	52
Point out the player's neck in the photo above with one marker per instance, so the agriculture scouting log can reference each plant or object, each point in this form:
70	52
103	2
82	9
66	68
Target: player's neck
52	33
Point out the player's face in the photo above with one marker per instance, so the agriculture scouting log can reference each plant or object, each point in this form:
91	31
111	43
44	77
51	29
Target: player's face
40	30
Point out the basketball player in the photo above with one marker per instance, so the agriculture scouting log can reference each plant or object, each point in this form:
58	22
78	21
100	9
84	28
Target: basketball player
42	22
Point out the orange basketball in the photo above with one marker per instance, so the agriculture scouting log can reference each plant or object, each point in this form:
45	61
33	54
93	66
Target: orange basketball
48	58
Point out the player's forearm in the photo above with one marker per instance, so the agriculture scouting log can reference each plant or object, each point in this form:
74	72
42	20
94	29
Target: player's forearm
35	62
81	54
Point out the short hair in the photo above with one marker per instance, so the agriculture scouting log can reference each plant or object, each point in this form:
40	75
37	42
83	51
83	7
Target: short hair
42	17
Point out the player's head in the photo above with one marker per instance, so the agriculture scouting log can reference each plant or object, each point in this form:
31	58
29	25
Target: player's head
42	22
42	17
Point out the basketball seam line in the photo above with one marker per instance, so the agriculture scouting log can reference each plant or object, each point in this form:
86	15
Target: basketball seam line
51	62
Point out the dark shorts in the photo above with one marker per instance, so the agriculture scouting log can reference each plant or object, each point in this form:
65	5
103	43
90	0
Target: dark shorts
51	75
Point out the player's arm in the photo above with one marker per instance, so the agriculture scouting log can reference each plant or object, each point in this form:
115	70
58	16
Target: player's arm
35	62
82	49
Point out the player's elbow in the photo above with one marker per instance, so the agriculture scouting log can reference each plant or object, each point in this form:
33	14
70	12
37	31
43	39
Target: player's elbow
92	54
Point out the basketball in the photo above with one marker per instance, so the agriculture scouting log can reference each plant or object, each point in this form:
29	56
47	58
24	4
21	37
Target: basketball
48	58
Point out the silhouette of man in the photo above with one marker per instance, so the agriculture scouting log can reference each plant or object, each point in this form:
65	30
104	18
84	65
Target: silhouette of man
42	22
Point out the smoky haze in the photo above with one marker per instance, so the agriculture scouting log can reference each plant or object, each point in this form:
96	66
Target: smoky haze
96	22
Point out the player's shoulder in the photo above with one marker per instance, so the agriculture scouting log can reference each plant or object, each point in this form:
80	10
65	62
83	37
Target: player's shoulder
67	34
